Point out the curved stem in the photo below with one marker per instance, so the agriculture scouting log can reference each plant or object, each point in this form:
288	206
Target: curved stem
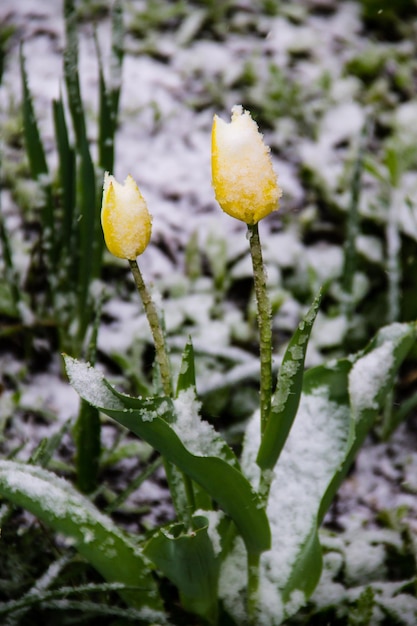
264	323
156	329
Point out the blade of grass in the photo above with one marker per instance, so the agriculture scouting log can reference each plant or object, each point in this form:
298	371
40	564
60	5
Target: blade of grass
352	227
288	391
90	247
109	95
87	431
9	269
38	164
67	180
71	74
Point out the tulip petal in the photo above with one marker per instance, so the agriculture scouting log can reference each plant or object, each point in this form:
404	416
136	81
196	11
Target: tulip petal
244	180
125	218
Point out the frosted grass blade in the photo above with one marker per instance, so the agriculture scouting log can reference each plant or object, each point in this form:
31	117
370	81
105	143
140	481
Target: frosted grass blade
107	124
186	377
90	246
38	164
352	226
34	146
59	505
109	94
66	238
12	293
118	35
72	80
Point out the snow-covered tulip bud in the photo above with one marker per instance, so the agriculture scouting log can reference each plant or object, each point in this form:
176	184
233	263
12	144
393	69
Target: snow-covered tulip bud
125	218
245	184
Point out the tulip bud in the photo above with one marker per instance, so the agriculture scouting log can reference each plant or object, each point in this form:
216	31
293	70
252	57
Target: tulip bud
125	218
244	181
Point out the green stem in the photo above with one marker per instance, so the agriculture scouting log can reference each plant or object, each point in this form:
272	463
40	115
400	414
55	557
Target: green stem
156	329
253	586
189	492
164	367
264	323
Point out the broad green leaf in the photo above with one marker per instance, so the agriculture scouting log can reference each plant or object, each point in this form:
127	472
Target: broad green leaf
338	405
187	558
149	419
370	382
59	505
288	391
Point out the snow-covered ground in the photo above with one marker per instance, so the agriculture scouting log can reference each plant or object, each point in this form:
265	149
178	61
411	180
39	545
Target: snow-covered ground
164	142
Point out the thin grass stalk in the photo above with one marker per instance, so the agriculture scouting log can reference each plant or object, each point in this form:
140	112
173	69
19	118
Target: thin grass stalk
109	94
9	269
393	267
352	230
90	246
38	167
71	73
118	35
67	181
134	485
393	240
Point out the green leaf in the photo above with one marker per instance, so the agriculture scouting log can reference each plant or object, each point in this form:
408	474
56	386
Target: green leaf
186	381
186	377
38	164
58	504
338	406
149	418
370	381
288	391
187	558
9	288
71	73
109	95
67	181
352	226
87	438
34	145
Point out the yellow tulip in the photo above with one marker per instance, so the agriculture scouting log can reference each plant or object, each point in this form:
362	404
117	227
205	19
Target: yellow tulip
245	184
125	218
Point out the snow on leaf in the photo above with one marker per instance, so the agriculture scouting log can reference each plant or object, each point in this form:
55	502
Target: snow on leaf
91	384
